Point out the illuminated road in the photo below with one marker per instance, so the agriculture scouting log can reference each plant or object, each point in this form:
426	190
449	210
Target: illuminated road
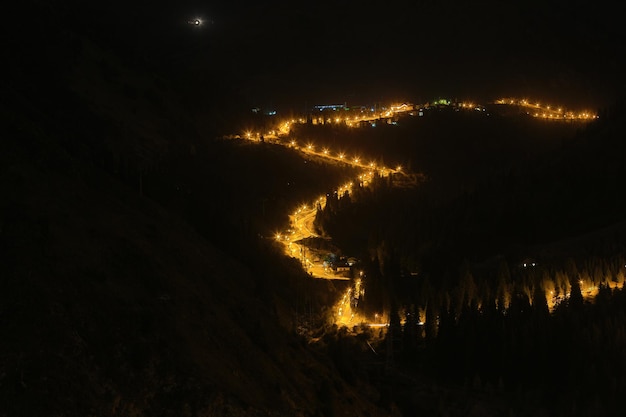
301	226
546	111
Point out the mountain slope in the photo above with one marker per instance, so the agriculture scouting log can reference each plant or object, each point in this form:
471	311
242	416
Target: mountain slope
112	303
112	306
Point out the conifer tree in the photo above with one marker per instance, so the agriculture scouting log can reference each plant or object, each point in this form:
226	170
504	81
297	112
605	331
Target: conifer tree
410	330
468	290
540	304
503	289
576	296
430	326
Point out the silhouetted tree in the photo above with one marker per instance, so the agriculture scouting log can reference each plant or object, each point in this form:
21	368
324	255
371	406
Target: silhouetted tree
540	304
430	325
575	295
504	286
468	291
410	334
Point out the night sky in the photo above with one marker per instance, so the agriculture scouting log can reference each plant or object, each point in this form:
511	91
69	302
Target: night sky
283	53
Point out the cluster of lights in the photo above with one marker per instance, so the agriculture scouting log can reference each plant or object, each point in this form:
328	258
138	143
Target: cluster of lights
359	118
343	308
355	118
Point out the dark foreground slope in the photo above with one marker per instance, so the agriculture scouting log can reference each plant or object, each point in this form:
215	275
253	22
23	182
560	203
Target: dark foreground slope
112	306
113	301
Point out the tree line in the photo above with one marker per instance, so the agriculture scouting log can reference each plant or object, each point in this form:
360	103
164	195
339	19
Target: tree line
514	288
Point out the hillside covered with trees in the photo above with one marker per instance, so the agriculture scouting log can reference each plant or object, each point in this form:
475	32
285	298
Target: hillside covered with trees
513	286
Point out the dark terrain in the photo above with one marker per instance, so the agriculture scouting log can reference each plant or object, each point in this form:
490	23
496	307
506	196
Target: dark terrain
136	279
138	276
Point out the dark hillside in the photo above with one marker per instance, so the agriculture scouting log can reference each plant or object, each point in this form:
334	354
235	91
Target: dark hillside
457	150
494	183
572	190
111	305
118	297
513	289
